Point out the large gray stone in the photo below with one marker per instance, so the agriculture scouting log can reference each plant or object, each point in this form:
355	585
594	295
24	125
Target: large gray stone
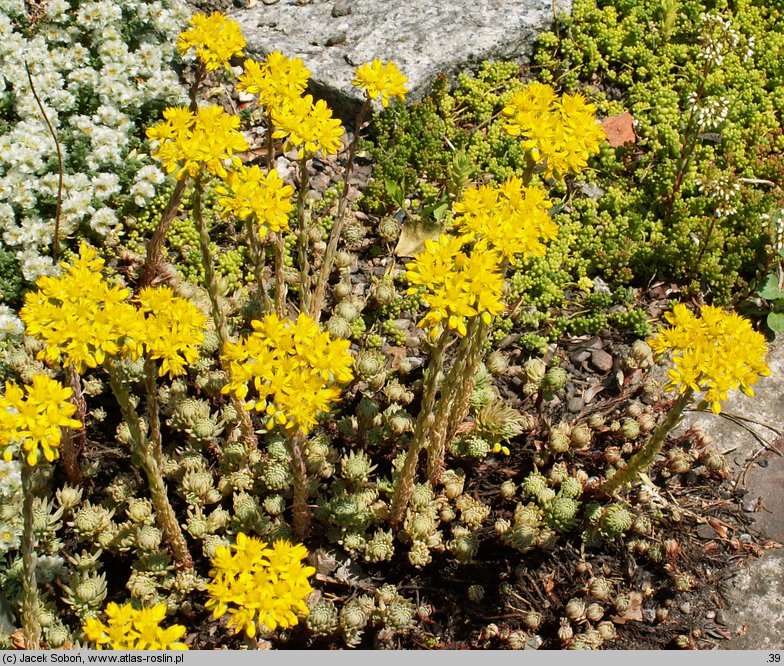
423	37
755	594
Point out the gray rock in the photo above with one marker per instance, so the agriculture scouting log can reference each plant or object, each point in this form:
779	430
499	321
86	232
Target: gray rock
341	8
601	361
336	39
423	38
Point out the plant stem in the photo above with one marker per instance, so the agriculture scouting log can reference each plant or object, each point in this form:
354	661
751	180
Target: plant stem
151	387
643	459
218	315
281	307
295	442
405	481
455	399
59	207
257	256
328	261
689	143
74	442
465	384
152	262
302	237
30	599
164	513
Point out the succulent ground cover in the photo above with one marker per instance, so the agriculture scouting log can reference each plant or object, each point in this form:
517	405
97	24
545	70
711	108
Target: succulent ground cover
411	385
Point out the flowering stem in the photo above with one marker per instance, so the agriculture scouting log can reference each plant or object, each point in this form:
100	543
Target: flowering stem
405	481
270	157
218	315
304	264
280	278
257	255
465	384
59	207
689	142
337	228
643	459
151	387
454	401
295	443
198	77
73	443
30	600
164	513
152	262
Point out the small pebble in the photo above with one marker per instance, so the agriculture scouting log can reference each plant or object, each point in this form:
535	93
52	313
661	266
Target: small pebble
601	360
751	507
341	8
270	2
722	618
334	40
575	404
745	538
649	614
685	608
710	615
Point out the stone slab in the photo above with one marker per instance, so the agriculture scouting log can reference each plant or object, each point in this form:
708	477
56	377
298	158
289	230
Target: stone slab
755	594
422	37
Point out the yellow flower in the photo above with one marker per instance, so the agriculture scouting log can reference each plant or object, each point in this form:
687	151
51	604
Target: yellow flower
381	80
511	218
274	80
293	367
173	329
215	38
258	585
455	285
307	126
716	353
248	191
79	317
186	142
36	419
559	133
129	628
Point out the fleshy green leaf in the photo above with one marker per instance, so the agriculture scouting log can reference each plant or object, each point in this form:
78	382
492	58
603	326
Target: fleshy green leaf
776	321
771	290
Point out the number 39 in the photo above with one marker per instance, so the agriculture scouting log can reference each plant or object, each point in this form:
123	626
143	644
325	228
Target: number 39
774	658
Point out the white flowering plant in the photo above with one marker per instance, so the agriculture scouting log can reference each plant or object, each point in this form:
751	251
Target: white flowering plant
103	70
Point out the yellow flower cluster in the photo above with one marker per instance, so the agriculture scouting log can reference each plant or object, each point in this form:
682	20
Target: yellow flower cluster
561	133
381	80
274	80
79	317
173	329
716	353
456	285
307	126
248	191
129	628
215	39
33	420
512	218
259	585
294	367
188	141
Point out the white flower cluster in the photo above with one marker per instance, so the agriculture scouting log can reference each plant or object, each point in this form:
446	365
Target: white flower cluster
723	190
10	505
710	112
10	325
718	38
94	65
